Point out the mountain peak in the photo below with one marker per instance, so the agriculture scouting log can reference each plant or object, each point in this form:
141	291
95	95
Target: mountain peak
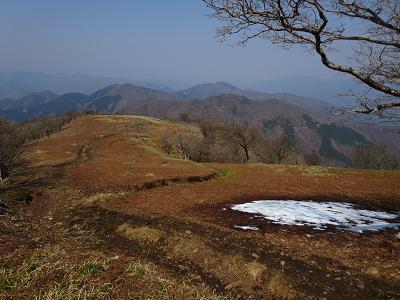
205	90
226	84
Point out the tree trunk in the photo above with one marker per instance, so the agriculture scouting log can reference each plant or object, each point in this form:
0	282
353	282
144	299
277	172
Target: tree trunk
246	151
3	172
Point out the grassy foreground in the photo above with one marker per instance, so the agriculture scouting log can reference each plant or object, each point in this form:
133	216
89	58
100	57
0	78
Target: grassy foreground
113	217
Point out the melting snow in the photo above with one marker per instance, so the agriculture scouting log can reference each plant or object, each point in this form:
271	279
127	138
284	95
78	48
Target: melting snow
320	214
247	227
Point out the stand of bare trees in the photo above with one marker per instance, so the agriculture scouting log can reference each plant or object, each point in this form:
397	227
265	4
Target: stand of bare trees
43	127
375	157
13	137
313	158
212	141
324	27
11	142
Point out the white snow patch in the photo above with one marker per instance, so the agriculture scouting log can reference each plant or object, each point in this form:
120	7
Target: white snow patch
247	227
320	214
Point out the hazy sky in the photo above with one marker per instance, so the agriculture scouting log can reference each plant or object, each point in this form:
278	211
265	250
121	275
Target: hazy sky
139	40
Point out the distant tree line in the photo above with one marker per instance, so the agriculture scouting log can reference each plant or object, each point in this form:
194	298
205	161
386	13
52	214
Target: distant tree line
14	136
377	157
209	140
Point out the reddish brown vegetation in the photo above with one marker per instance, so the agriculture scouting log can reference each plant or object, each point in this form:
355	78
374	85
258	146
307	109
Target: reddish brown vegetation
105	180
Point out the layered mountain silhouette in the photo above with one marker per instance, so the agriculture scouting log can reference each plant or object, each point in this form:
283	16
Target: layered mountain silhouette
203	91
306	119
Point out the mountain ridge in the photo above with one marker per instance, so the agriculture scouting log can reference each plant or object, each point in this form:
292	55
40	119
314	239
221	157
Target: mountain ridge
203	91
271	115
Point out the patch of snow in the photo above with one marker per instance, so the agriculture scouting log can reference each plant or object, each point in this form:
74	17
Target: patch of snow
247	227
320	214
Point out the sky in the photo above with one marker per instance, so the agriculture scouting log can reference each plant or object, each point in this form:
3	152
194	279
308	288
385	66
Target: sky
170	40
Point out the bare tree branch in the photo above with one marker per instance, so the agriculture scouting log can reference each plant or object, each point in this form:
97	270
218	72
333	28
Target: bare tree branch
371	27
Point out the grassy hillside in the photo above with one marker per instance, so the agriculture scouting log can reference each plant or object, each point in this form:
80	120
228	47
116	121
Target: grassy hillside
113	217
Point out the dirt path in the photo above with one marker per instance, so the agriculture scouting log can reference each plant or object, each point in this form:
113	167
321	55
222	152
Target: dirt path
107	197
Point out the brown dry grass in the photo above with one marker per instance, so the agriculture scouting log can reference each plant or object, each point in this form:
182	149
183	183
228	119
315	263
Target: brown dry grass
99	158
143	234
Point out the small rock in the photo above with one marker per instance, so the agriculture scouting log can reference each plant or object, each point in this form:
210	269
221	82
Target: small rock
255	255
283	263
188	232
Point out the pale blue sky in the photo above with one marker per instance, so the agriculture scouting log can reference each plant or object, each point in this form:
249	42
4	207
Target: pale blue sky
138	40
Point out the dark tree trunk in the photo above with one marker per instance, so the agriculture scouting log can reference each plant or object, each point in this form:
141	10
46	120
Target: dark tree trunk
246	151
4	173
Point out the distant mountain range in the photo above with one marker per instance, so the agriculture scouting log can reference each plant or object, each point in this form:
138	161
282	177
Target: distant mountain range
119	98
330	90
203	91
305	118
18	84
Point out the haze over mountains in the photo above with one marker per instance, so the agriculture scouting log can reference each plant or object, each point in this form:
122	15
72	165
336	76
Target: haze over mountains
118	98
18	84
306	119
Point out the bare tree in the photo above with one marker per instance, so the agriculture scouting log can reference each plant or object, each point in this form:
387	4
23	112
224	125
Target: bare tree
11	144
312	158
242	136
167	141
283	147
186	141
185	117
209	129
263	150
372	156
371	28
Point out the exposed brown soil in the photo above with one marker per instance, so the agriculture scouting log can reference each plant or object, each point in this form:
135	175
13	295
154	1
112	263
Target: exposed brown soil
170	213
